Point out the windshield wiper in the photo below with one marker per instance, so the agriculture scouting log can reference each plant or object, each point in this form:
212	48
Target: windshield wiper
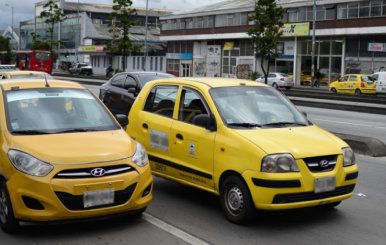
75	130
245	125
30	132
279	124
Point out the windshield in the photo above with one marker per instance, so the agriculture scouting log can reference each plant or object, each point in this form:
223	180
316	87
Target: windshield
367	79
245	106
52	110
42	56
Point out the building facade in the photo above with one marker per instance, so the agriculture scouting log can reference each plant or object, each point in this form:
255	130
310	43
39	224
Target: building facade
213	40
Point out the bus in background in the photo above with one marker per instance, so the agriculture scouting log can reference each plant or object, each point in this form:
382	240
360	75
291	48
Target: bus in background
34	60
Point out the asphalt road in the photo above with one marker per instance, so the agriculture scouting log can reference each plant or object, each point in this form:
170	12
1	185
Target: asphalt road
183	215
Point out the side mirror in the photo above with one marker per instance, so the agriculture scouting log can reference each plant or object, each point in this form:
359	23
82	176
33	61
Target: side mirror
122	119
206	121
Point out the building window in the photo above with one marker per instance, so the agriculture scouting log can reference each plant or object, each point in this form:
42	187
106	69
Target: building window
173	65
133	63
342	11
376	7
353	10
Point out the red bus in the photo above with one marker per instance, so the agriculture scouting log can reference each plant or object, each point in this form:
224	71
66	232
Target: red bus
34	60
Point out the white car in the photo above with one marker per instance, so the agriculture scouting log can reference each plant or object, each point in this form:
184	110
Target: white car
380	81
277	80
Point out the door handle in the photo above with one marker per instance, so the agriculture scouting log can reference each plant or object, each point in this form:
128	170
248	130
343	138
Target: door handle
179	136
145	126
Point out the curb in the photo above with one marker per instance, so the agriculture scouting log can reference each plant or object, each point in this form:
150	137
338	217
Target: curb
364	145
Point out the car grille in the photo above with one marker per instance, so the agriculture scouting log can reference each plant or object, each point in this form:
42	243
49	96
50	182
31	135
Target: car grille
88	172
321	163
310	196
76	202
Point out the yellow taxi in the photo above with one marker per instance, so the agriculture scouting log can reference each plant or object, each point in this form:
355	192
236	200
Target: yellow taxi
354	84
306	78
243	141
64	156
25	74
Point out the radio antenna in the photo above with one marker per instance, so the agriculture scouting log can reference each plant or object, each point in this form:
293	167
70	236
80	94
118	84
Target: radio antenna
45	78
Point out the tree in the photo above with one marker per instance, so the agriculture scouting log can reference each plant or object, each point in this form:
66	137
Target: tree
5	50
121	24
52	15
266	31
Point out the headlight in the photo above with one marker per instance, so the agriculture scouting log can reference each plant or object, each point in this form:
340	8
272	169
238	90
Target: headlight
348	157
28	164
279	163
140	156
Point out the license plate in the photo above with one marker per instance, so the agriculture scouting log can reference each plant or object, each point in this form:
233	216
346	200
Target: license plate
325	184
98	198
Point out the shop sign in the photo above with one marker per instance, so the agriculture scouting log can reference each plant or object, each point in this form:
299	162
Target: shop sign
376	47
92	48
296	29
228	46
179	56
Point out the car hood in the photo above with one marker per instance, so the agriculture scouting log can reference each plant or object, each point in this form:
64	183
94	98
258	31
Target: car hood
301	142
76	148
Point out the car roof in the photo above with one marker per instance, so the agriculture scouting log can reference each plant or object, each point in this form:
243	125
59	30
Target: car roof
23	72
210	82
37	83
145	73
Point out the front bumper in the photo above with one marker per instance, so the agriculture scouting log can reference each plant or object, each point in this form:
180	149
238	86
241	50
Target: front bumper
53	199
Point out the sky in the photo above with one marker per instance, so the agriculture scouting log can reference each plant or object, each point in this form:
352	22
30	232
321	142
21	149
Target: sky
24	9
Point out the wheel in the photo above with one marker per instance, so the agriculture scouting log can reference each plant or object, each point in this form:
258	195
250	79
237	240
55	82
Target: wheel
275	85
333	90
358	91
236	201
7	220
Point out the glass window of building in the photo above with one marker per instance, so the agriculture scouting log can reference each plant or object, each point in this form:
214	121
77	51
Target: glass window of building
353	10
376	7
342	11
364	9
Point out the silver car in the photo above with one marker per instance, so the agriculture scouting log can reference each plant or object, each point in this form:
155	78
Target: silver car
277	80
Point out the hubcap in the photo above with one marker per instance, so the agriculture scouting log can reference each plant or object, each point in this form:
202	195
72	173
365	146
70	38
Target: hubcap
235	200
3	206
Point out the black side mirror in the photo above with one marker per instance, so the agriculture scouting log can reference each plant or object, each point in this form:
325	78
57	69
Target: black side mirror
122	119
206	121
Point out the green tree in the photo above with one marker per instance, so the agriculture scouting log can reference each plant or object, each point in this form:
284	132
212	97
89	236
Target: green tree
5	50
52	15
266	31
121	24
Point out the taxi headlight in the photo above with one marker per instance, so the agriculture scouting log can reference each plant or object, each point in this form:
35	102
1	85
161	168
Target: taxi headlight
348	157
279	163
28	164
140	156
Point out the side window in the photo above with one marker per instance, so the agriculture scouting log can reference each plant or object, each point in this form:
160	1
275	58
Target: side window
119	81
130	83
343	79
191	105
375	77
271	75
353	78
161	100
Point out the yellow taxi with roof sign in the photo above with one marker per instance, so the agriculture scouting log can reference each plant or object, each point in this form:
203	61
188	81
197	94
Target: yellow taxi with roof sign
64	156
354	84
243	141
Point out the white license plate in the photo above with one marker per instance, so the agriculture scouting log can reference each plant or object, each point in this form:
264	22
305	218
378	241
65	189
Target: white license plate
98	198
325	184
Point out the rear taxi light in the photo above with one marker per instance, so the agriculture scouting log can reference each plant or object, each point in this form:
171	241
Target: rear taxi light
362	84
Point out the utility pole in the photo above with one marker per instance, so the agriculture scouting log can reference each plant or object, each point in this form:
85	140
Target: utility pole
313	40
8	5
145	48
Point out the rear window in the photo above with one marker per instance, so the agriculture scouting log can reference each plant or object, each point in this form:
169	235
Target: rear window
367	79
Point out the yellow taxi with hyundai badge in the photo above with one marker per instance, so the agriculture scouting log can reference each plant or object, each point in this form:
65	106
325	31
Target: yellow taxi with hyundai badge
243	141
64	156
354	84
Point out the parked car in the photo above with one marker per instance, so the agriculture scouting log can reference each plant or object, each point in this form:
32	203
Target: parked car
277	80
119	93
380	81
16	74
81	68
306	78
64	156
353	84
243	141
8	68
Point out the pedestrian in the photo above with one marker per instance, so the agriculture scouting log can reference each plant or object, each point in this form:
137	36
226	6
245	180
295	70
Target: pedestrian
318	75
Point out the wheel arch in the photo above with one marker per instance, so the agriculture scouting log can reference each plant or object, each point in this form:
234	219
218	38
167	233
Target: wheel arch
225	175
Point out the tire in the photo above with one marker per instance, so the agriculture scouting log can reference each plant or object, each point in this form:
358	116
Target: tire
7	220
236	201
275	85
333	90
358	92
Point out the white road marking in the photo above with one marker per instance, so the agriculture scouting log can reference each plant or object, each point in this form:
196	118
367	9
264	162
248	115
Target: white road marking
353	124
173	230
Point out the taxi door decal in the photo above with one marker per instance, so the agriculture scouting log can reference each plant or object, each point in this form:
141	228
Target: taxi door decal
159	140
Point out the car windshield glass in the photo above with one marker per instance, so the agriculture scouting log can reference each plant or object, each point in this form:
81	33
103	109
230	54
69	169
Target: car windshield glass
367	79
243	106
283	74
31	76
53	110
149	77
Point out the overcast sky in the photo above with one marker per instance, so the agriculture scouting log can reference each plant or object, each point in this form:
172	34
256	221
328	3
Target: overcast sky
24	9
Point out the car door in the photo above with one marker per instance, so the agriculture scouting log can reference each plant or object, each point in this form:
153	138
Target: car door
192	146
352	84
342	85
271	78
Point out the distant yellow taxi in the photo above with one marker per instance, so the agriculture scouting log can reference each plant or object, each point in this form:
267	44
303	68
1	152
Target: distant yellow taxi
354	84
243	141
64	156
24	75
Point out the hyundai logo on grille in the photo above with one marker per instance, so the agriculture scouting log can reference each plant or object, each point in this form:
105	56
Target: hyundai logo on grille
98	172
324	163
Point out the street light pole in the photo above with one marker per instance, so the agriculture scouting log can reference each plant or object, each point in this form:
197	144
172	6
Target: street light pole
8	5
145	48
313	40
